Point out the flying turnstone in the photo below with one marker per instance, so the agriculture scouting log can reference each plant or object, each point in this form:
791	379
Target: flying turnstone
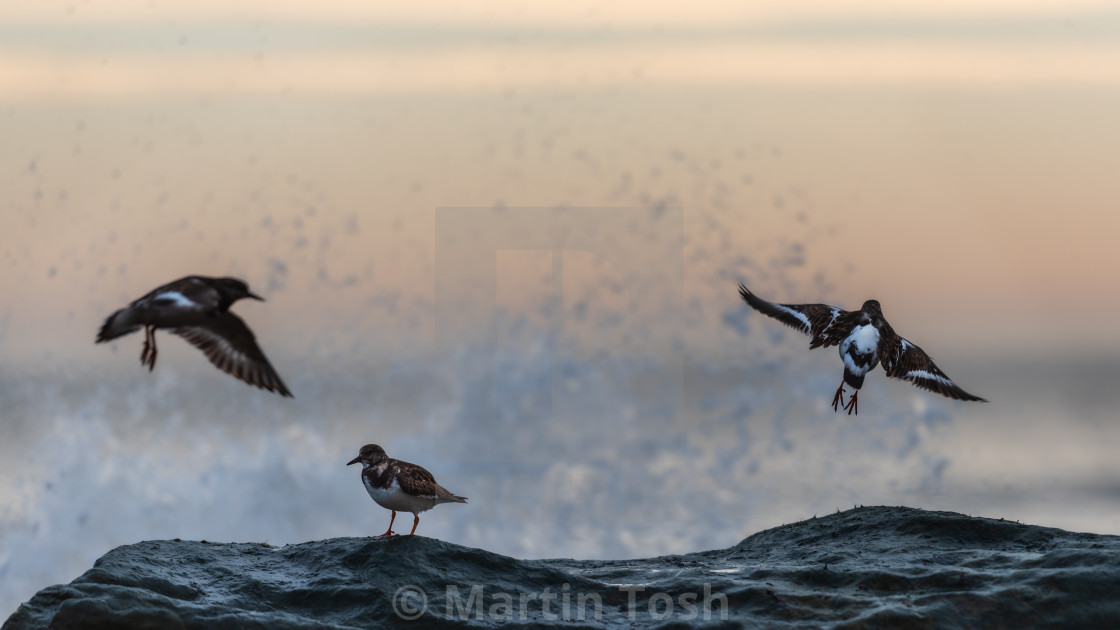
197	309
865	339
400	486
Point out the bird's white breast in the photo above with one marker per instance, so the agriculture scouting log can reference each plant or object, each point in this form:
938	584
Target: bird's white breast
864	339
863	342
394	498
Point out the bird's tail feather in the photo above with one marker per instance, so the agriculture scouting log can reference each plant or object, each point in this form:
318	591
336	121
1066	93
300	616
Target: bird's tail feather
117	325
445	496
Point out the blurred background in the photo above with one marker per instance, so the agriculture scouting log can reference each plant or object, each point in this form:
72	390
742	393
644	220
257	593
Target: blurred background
502	240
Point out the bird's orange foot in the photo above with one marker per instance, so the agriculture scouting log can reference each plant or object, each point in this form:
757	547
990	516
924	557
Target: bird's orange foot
387	533
838	399
853	404
149	352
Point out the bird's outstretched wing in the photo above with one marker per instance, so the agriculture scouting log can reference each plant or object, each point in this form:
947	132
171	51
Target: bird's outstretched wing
904	360
231	347
827	325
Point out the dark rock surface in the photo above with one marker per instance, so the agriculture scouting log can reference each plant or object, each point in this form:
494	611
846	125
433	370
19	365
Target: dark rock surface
867	567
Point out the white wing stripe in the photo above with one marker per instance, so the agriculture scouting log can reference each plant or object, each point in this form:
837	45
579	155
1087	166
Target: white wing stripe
176	297
798	314
929	376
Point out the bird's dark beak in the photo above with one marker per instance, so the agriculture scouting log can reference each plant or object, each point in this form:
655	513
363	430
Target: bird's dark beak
355	460
254	296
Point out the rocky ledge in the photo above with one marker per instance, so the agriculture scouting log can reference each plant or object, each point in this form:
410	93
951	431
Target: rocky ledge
866	567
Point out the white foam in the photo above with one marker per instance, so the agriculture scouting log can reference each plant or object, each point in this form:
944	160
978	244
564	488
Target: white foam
189	452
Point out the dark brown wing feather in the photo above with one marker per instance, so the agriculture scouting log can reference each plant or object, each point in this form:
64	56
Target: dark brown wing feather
417	481
148	310
827	325
195	288
231	347
904	360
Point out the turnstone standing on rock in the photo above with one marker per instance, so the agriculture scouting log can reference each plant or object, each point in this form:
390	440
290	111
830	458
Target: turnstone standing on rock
197	309
400	486
865	339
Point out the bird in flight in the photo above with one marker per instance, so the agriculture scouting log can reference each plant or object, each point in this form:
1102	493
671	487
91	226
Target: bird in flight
197	309
866	340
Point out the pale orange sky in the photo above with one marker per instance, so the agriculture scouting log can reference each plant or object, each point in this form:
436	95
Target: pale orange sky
946	158
955	160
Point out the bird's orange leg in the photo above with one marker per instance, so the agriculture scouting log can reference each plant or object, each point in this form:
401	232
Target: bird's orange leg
414	524
148	354
389	532
853	404
838	399
155	351
144	351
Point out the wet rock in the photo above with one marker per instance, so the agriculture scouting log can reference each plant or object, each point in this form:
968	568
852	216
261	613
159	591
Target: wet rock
866	567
